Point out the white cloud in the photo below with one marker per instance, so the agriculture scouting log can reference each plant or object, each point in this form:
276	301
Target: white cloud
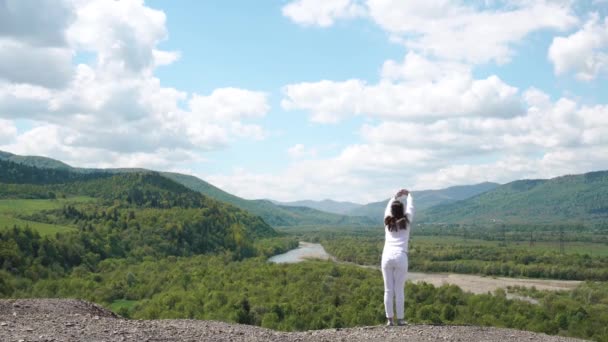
227	104
39	23
299	151
322	13
434	90
46	66
164	57
8	131
584	52
61	143
548	139
453	30
474	33
112	111
217	118
123	34
553	163
328	101
418	68
33	44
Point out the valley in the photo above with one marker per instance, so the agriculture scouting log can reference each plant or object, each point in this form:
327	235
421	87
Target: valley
149	247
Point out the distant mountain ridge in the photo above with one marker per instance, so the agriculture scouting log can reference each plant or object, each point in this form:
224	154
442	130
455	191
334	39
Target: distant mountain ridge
570	198
573	199
41	162
327	205
425	199
274	215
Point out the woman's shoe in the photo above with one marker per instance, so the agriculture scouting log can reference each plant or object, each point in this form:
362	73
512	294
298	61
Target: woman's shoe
401	322
389	322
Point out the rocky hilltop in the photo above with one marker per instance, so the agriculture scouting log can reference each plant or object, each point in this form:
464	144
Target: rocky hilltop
77	320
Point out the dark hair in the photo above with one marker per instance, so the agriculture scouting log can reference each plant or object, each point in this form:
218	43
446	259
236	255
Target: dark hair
395	224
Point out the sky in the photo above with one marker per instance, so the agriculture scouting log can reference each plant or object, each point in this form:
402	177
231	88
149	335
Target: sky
287	100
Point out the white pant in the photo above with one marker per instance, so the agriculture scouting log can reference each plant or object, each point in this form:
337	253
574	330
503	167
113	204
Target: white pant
394	271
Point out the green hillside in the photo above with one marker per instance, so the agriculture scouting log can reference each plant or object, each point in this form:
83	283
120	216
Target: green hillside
41	162
567	199
124	194
425	199
273	214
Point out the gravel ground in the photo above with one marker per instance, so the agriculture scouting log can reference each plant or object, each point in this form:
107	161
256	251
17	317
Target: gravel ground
76	320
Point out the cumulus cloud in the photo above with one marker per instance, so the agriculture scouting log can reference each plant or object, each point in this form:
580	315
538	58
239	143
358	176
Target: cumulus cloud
423	91
451	30
418	68
60	142
298	151
475	34
584	52
322	13
548	139
8	131
46	66
123	34
40	23
229	104
552	164
112	111
465	32
33	43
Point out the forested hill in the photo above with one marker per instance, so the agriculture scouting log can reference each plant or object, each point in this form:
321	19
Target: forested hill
124	191
41	162
273	214
425	199
568	199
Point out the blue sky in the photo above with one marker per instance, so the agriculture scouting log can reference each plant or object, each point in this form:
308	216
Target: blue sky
310	99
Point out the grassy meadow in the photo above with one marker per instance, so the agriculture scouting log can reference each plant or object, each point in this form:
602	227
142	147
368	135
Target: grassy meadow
16	212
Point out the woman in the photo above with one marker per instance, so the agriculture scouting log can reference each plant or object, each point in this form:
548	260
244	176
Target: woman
398	218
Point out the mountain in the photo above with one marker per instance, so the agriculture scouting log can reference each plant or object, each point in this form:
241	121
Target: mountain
273	214
133	215
565	199
41	162
327	205
427	198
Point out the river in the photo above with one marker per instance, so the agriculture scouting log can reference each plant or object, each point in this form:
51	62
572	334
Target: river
470	283
306	250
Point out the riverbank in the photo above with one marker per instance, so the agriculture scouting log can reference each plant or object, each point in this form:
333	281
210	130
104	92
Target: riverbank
467	282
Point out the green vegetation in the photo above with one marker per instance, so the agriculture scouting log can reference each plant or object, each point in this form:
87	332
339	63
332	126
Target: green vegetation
149	247
433	249
43	229
308	295
15	212
58	172
39	162
25	207
567	199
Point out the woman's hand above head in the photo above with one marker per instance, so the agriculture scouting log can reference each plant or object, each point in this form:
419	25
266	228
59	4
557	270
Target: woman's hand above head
402	192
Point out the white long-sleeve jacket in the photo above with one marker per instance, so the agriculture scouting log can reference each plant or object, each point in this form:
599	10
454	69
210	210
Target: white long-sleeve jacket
396	242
